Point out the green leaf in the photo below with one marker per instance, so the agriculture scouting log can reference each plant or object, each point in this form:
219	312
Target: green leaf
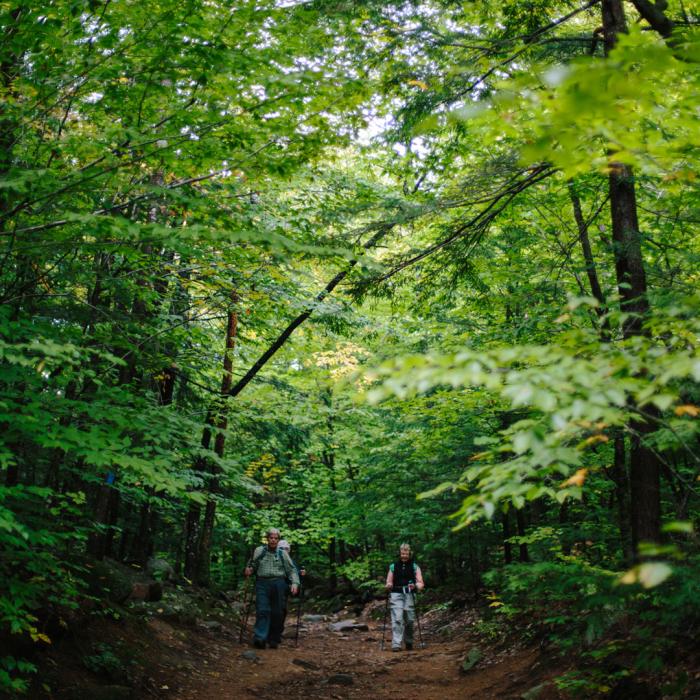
683	526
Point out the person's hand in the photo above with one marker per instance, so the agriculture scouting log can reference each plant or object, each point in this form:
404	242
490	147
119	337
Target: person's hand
295	589
248	571
389	586
420	586
411	586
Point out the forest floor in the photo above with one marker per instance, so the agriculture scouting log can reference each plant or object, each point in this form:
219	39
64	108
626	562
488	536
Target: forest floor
352	664
330	664
202	660
186	647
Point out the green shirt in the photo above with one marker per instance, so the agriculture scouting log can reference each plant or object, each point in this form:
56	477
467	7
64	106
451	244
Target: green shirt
277	564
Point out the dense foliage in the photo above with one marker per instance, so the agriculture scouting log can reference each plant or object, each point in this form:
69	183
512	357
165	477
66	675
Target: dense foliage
297	263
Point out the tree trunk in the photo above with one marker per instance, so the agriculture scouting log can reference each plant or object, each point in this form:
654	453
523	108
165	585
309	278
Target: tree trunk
191	537
645	485
112	517
97	540
221	423
333	577
563	519
143	544
9	69
474	571
12	473
507	546
195	510
123	545
621	481
520	519
591	270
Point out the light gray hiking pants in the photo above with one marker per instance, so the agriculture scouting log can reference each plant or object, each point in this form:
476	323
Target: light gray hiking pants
403	615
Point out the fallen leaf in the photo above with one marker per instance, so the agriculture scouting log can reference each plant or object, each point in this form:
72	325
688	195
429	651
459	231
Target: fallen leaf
576	480
595	439
648	575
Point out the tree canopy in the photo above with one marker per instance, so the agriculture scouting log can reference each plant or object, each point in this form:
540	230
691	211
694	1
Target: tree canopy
364	271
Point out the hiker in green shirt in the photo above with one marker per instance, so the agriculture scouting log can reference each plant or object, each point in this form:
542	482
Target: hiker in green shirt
272	568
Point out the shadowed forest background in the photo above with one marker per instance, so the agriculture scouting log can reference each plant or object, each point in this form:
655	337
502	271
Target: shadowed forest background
295	264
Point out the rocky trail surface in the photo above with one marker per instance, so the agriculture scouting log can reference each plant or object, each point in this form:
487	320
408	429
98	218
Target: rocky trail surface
345	661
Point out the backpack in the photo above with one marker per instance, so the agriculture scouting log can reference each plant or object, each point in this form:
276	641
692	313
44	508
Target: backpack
415	567
279	556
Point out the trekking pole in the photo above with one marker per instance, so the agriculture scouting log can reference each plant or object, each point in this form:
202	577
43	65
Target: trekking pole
386	613
247	600
420	634
300	604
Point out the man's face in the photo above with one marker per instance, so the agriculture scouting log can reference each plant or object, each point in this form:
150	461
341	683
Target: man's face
272	539
405	553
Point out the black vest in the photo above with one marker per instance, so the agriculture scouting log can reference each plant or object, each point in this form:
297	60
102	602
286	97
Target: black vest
404	574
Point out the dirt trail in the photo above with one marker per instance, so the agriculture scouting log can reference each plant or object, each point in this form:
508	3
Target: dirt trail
329	664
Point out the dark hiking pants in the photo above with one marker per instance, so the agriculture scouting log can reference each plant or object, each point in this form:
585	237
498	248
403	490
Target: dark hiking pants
270	604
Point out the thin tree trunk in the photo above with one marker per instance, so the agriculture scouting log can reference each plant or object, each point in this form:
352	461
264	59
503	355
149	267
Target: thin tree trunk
8	125
287	332
97	539
591	270
507	546
194	511
328	459
563	519
645	481
474	572
142	545
621	481
105	501
221	423
333	577
520	519
123	545
12	473
9	69
112	518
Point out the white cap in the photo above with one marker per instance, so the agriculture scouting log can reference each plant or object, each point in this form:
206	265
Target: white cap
283	544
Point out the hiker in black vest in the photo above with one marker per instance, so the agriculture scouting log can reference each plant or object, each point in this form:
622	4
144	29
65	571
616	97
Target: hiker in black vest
403	579
272	568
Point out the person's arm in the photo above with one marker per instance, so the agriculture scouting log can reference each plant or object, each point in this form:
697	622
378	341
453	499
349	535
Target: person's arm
300	569
291	572
390	578
419	579
251	562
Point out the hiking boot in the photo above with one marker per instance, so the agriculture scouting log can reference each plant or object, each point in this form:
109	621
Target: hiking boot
396	648
273	645
409	646
259	643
